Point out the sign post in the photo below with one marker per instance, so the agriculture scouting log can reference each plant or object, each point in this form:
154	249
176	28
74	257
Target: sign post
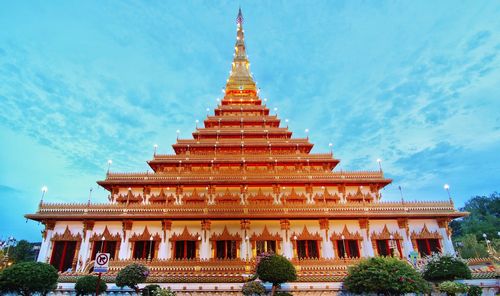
101	264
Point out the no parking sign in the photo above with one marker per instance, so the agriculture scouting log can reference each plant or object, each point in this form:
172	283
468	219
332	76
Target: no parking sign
101	262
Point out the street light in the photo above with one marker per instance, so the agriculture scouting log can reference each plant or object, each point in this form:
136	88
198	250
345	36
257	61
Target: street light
150	246
331	147
379	164
343	244
109	165
44	190
103	240
447	188
155	146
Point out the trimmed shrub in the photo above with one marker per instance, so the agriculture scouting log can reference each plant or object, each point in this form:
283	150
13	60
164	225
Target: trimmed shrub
253	289
445	268
384	275
87	285
474	291
149	289
452	288
276	270
163	292
29	277
132	275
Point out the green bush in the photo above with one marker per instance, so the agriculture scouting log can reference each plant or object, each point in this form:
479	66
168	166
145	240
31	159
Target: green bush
163	292
29	277
445	268
384	275
452	288
87	285
149	289
132	275
281	293
276	270
253	289
474	291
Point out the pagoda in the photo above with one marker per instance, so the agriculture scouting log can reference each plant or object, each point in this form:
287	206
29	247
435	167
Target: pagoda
242	185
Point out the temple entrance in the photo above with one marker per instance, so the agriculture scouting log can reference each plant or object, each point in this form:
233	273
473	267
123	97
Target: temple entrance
307	249
427	246
265	246
185	249
225	249
347	248
104	247
63	254
144	249
387	247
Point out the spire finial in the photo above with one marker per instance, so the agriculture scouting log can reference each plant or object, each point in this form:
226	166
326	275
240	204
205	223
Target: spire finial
239	18
240	82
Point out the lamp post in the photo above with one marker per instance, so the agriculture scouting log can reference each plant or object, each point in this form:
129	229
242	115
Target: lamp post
150	246
109	165
90	195
103	240
155	147
307	133
447	188
331	148
343	244
7	243
247	240
44	190
379	164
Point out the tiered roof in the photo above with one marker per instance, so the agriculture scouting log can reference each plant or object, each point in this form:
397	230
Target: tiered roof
243	144
237	166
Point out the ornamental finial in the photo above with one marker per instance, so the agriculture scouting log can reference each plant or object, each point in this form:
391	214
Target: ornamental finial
239	18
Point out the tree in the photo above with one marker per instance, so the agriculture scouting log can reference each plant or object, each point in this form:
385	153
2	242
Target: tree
276	270
484	217
87	285
22	252
253	288
445	268
132	275
384	275
29	277
470	248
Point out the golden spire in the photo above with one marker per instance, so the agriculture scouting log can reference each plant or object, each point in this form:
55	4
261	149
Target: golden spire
240	81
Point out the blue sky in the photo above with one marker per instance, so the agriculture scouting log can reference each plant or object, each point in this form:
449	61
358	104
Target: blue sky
415	83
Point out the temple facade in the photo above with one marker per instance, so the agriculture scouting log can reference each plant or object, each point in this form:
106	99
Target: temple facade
242	185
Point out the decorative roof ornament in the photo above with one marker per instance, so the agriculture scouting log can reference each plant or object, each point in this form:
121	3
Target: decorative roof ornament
239	18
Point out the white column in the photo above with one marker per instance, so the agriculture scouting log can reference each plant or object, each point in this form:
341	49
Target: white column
407	245
367	245
447	246
84	252
205	246
43	255
125	246
164	248
327	246
287	245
